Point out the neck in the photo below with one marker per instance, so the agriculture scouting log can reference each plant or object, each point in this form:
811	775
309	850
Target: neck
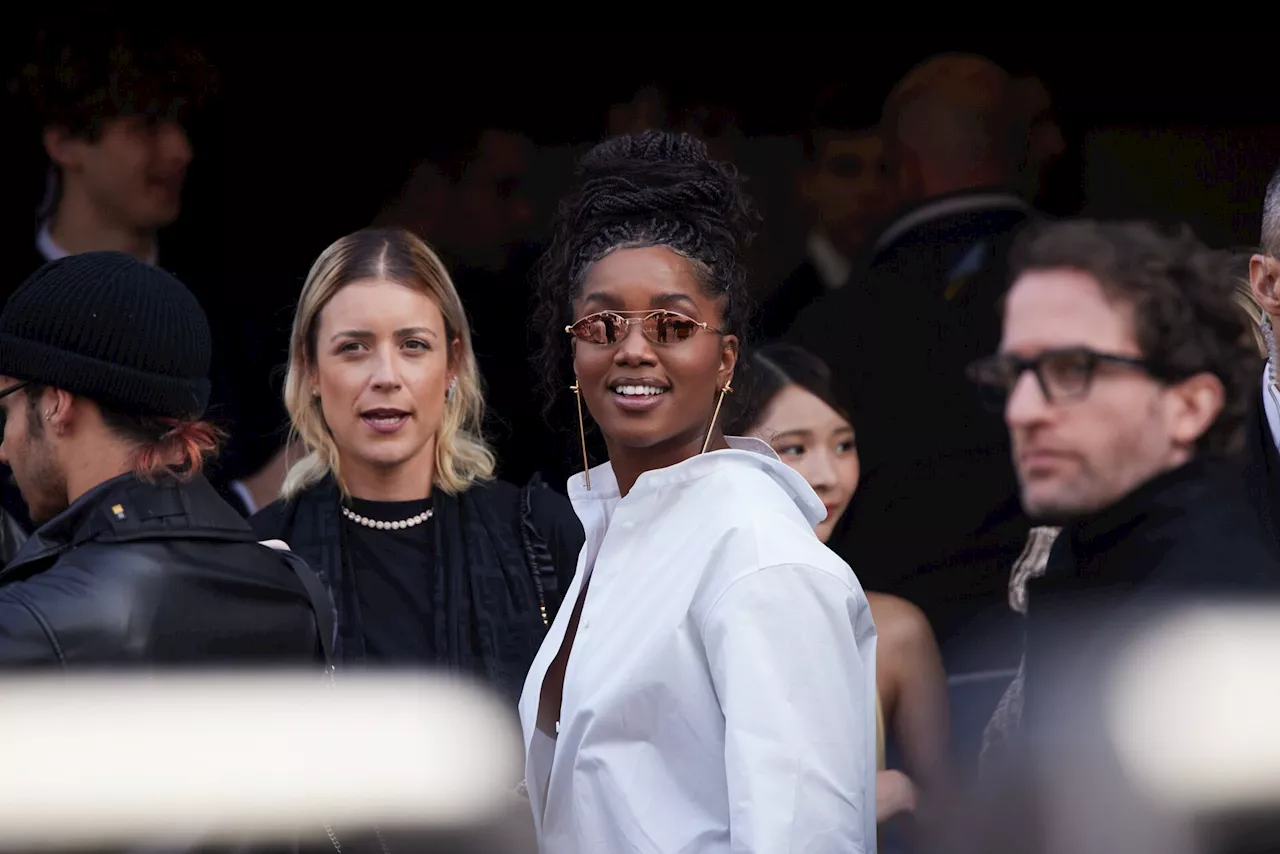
629	463
78	227
264	484
408	481
96	463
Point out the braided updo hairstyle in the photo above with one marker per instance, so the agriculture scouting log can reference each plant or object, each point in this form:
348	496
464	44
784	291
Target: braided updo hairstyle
648	189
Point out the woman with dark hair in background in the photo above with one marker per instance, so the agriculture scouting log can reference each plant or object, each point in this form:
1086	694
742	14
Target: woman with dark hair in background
791	403
684	698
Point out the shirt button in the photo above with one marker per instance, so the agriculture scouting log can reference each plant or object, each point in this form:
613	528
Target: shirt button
628	526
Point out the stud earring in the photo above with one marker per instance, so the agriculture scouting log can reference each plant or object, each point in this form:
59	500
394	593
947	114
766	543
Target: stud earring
582	433
728	387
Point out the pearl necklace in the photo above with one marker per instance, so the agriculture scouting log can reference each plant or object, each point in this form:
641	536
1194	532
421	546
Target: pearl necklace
387	526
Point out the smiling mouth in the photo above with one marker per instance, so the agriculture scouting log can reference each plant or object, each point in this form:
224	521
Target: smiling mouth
638	390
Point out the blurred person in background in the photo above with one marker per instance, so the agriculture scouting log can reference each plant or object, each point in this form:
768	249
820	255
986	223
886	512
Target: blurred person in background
114	112
1261	457
936	519
848	186
1125	374
104	366
790	402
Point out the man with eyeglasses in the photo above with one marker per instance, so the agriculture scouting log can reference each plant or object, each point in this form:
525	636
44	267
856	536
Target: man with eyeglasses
1124	374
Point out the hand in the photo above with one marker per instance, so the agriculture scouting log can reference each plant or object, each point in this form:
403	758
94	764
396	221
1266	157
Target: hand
895	794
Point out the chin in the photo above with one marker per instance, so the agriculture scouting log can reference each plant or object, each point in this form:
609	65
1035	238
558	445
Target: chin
824	531
642	433
1052	507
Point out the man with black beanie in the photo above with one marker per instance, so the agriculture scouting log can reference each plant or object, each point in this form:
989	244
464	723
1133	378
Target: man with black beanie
104	364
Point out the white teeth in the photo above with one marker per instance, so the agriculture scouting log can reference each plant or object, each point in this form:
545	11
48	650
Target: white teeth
637	390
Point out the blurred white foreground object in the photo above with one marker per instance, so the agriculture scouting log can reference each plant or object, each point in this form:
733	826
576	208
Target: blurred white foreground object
1194	709
97	760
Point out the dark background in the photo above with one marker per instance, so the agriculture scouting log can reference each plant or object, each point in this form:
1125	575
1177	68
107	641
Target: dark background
312	131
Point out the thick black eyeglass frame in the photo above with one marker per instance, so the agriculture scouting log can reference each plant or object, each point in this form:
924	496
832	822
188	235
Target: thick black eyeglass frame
996	396
4	417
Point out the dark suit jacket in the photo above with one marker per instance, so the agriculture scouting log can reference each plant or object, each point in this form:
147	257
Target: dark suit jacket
1261	469
937	516
780	308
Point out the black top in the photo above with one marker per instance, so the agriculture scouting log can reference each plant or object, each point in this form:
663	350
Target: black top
1261	468
394	572
1187	535
499	554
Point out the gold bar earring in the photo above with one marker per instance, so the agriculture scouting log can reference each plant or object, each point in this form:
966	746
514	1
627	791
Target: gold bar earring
582	433
728	387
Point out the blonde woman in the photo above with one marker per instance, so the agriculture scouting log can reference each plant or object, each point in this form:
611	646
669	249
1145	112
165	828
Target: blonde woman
431	561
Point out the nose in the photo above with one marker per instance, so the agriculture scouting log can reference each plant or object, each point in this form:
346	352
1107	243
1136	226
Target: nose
822	471
386	373
175	145
634	348
1026	404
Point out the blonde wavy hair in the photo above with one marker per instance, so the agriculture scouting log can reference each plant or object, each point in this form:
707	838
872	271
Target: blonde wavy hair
461	455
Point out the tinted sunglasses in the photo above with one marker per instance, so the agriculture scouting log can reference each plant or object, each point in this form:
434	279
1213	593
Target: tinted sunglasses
660	327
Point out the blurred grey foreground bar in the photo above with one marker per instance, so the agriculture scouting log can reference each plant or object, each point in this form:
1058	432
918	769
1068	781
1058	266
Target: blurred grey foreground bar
1194	712
106	760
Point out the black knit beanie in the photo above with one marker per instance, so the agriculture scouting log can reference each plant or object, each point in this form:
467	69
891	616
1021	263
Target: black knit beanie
112	328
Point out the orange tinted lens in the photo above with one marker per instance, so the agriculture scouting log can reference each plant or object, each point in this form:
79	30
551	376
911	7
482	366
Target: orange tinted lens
666	327
596	330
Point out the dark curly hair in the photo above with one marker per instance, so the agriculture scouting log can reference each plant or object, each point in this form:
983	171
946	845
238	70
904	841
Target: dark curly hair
648	189
82	77
1183	298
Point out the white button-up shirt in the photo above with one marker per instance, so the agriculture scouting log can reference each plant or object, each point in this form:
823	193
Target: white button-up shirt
720	696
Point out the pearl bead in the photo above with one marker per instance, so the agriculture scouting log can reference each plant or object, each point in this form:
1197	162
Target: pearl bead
387	526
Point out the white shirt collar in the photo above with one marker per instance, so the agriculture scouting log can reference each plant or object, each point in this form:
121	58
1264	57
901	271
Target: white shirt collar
833	268
742	450
1271	405
49	248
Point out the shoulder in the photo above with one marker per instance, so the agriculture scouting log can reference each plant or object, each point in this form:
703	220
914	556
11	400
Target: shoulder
758	520
899	623
546	507
91	592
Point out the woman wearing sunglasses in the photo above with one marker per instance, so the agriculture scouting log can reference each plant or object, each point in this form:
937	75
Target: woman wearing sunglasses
709	684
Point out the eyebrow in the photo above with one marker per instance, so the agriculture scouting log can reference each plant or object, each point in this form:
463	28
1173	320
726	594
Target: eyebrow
790	434
661	300
656	301
804	432
365	334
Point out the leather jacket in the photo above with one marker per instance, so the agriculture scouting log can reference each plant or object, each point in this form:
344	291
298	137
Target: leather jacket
156	573
12	536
